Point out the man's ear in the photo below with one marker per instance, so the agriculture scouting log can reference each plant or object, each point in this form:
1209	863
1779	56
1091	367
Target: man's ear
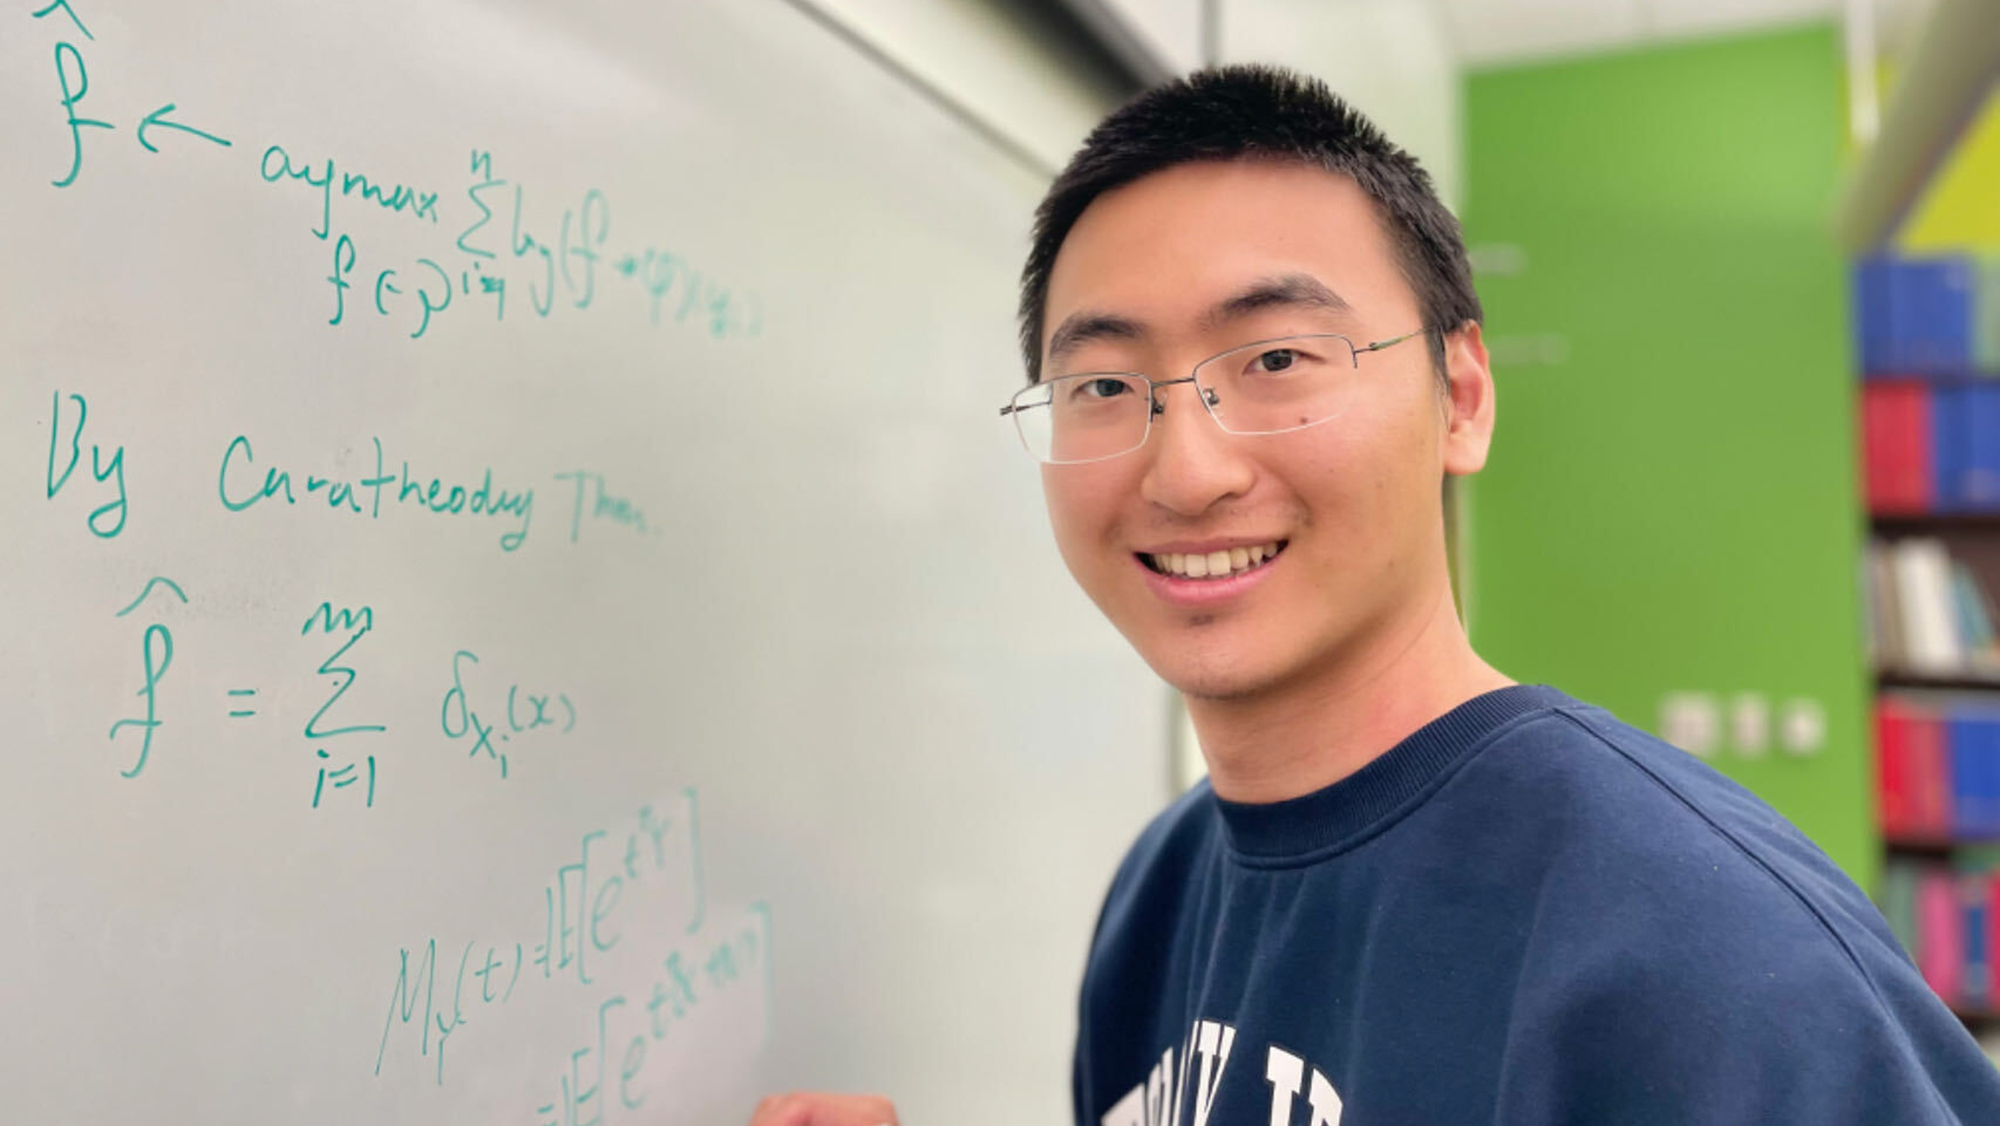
1469	405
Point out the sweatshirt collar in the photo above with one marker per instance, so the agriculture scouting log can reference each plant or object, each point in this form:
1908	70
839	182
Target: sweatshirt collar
1387	787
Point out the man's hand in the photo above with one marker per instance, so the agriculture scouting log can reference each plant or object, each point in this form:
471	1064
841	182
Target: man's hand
812	1108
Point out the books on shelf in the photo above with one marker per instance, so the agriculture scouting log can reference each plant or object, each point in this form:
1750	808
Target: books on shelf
1928	342
1972	745
1966	420
1929	345
1913	772
1928	614
1928	316
1937	768
1948	917
1930	447
1941	935
1986	315
1896	447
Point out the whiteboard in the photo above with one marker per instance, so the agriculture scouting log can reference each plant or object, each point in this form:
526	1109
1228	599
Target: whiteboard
520	607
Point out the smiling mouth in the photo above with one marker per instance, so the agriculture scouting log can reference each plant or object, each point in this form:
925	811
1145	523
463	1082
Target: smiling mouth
1215	564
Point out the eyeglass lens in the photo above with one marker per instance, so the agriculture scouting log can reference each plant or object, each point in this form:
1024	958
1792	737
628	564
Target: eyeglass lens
1261	388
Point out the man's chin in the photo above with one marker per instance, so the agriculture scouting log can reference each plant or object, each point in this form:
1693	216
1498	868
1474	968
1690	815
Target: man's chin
1216	676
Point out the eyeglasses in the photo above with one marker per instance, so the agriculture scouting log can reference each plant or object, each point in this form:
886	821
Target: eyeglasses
1265	387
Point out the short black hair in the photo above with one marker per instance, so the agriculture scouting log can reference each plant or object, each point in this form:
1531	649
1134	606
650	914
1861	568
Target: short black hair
1255	112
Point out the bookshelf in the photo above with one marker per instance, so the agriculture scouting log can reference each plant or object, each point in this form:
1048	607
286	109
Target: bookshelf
1970	680
1931	456
1929	351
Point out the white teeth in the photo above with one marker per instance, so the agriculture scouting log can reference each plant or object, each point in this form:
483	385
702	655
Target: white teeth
1215	564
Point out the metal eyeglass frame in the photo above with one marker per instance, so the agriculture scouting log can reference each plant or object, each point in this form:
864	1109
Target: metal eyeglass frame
1205	394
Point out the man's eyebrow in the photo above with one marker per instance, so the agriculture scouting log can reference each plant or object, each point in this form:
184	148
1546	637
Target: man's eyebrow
1294	290
1286	290
1080	328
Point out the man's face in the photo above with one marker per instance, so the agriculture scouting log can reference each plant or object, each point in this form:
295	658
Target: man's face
1352	503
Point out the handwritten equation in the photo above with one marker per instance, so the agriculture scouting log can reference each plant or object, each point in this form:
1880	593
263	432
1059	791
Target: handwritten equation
491	243
583	917
340	743
441	249
523	714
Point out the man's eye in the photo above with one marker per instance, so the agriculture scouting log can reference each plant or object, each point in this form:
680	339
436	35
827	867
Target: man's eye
1101	388
1275	360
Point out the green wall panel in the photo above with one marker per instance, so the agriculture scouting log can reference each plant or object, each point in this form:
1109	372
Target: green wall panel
1671	505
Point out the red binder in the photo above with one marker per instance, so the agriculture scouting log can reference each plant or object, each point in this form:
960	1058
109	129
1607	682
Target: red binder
1913	771
1992	937
1897	444
1930	774
1895	788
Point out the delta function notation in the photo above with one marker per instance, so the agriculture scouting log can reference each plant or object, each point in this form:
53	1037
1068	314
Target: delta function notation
340	738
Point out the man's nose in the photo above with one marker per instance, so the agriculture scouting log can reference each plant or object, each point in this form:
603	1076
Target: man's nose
1191	461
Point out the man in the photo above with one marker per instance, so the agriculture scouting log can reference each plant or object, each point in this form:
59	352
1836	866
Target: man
1413	891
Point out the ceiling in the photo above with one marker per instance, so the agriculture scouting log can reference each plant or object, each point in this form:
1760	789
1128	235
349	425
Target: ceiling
1158	38
1493	32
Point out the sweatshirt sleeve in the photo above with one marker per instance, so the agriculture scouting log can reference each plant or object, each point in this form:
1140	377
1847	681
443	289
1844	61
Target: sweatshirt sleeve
1665	1020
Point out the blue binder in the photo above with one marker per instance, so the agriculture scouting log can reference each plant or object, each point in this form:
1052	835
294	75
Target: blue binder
1871	315
1951	444
1978	979
1931	315
1972	739
1979	478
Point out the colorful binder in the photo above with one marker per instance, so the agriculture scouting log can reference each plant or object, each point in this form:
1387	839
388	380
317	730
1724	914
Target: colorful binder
1897	447
1940	934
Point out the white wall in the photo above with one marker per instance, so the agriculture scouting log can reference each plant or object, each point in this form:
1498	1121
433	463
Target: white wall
1391	58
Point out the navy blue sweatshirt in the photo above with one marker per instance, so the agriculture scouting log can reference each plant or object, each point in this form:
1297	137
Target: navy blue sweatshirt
1525	912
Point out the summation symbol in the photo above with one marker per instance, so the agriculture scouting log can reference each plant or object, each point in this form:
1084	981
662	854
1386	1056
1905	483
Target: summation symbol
355	625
